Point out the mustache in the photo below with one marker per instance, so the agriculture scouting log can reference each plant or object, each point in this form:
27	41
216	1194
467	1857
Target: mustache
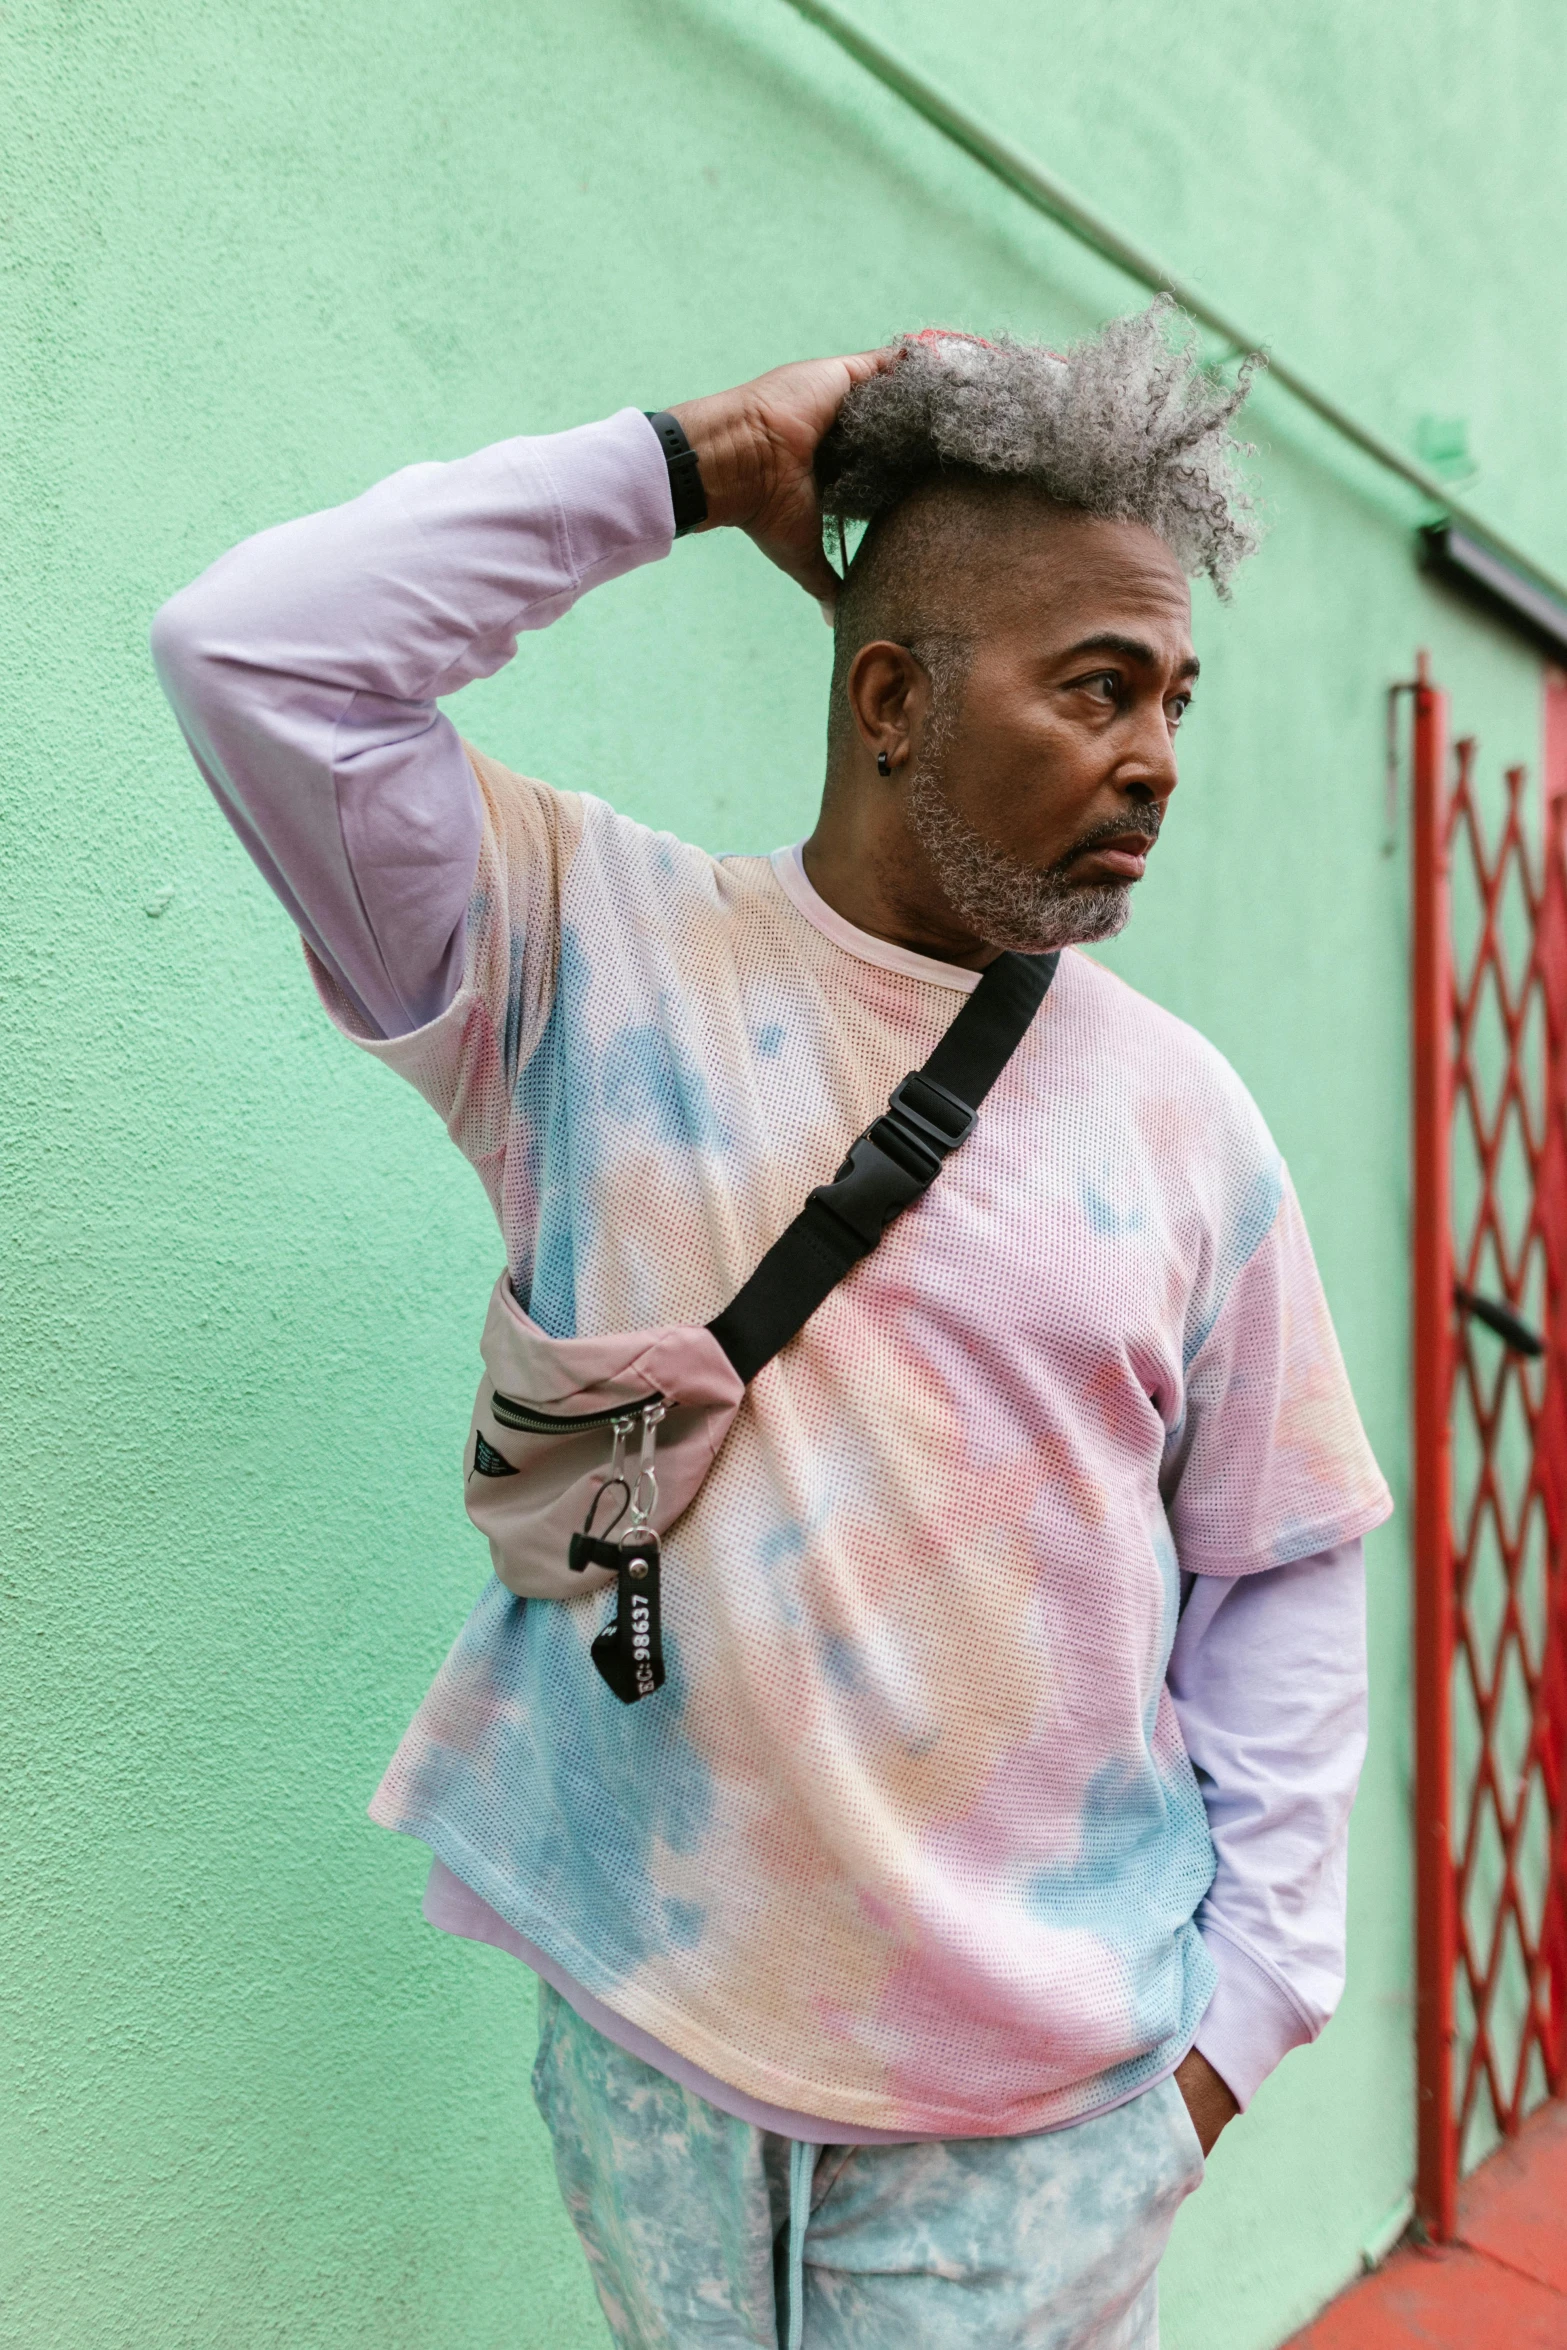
1146	821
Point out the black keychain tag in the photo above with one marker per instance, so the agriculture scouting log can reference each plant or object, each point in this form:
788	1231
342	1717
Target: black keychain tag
629	1652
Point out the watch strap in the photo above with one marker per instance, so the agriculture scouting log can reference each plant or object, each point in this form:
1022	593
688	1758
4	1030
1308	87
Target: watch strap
686	493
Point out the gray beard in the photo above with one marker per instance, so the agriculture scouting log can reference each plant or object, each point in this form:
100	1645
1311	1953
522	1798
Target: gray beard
1003	901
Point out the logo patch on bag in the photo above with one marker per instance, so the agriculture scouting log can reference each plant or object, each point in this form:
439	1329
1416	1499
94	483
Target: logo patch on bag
487	1461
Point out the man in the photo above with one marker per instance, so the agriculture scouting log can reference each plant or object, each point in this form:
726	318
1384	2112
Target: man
903	1957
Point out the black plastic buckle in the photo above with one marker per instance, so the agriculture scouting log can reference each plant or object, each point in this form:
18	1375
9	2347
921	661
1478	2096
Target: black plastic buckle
897	1159
939	1116
870	1188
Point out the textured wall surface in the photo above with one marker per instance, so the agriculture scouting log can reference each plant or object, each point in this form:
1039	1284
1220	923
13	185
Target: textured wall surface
254	259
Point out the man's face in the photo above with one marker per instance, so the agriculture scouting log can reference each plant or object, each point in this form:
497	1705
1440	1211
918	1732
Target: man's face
1037	780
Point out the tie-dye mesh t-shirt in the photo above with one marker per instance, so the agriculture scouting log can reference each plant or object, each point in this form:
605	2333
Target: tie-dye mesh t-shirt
909	1839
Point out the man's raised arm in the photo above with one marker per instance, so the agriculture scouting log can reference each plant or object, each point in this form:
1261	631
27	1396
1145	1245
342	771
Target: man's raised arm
305	667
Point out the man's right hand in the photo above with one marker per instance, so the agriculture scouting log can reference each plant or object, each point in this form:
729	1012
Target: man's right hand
756	445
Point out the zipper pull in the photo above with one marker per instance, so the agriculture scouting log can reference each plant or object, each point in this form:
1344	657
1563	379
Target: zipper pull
589	1548
644	1494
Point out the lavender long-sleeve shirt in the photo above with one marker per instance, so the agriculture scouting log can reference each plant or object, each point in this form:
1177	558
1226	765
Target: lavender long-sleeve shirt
307	668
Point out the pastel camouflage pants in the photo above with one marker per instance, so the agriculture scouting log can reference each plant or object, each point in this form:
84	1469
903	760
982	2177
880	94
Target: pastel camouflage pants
706	2233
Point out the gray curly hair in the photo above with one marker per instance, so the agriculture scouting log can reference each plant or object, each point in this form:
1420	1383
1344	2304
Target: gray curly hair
1127	424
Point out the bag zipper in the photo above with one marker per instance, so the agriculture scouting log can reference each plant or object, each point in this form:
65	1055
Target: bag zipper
532	1422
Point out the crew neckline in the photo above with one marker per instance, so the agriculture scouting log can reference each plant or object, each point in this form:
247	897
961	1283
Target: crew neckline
795	882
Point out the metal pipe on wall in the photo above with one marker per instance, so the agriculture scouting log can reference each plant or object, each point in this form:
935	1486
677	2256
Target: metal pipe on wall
1432	1368
1052	197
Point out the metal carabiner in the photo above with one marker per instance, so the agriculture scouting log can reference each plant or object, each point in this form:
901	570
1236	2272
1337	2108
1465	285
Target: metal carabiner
644	1493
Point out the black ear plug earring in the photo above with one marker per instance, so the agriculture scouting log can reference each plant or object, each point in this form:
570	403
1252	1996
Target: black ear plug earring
883	763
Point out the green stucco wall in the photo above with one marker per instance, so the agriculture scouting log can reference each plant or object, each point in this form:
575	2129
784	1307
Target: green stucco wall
253	260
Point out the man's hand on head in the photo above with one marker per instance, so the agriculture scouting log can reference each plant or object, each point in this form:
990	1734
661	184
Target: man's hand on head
756	446
1208	2098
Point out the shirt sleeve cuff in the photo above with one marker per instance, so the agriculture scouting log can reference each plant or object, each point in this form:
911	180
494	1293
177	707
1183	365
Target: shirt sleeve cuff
1251	2024
611	486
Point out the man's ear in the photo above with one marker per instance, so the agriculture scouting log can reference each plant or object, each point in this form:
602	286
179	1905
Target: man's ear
889	693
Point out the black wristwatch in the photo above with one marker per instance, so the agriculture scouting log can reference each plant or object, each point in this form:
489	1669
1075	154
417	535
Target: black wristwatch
686	493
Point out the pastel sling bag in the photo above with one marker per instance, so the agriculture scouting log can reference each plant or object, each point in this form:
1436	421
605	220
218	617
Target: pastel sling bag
563	1520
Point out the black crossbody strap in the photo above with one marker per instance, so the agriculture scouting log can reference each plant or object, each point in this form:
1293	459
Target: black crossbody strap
892	1164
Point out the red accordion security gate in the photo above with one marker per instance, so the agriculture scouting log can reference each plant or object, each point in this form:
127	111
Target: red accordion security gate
1490	1395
